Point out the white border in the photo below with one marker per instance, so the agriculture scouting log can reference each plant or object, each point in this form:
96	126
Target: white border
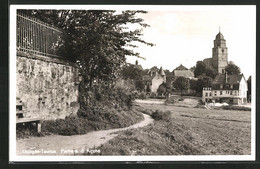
12	99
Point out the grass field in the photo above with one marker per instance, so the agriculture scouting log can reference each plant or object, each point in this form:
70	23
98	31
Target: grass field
188	131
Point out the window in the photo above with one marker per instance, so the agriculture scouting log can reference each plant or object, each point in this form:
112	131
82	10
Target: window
231	92
223	50
209	94
206	94
220	92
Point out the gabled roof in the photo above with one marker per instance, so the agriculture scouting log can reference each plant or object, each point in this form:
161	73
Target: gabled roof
183	73
181	67
231	79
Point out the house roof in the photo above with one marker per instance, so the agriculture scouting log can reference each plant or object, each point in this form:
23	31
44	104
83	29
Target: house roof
183	73
231	79
181	67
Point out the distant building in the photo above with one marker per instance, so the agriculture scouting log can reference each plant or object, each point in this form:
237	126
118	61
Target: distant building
219	58
154	79
226	88
182	71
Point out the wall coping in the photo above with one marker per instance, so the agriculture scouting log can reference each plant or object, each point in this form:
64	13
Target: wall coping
47	59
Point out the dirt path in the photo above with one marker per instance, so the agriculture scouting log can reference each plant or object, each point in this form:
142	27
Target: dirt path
69	145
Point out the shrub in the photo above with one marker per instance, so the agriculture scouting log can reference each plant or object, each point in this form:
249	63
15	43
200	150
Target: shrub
153	95
91	119
171	100
180	99
161	115
25	131
67	126
236	108
142	96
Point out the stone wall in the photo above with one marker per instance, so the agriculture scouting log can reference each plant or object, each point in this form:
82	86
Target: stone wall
48	87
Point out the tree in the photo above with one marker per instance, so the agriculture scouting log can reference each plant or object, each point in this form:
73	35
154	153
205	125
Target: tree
181	83
232	69
202	69
192	68
203	81
132	72
162	89
165	89
139	85
97	40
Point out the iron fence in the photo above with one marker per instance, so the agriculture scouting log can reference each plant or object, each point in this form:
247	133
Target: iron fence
36	37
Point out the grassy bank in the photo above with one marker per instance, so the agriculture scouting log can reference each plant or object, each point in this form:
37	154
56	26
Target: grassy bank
77	125
186	132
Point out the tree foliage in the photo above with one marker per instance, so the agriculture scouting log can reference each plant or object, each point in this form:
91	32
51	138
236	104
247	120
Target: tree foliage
232	69
202	69
203	81
181	83
133	72
165	89
97	40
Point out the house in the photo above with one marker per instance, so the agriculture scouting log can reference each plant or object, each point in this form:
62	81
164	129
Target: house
182	71
154	79
231	89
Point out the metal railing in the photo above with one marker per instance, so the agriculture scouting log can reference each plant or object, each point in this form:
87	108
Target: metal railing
36	37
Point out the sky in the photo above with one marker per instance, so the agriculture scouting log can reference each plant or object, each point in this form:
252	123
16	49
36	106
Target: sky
185	34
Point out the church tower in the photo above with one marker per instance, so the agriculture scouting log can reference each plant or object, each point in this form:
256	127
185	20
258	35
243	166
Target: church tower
219	54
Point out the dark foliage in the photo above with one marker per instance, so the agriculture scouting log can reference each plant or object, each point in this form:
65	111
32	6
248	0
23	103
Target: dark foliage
232	69
161	115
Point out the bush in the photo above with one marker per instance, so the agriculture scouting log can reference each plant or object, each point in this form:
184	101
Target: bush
153	95
67	126
91	120
173	99
180	99
142	96
160	115
236	108
25	131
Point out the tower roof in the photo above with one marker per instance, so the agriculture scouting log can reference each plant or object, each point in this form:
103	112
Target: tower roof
161	72
219	36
